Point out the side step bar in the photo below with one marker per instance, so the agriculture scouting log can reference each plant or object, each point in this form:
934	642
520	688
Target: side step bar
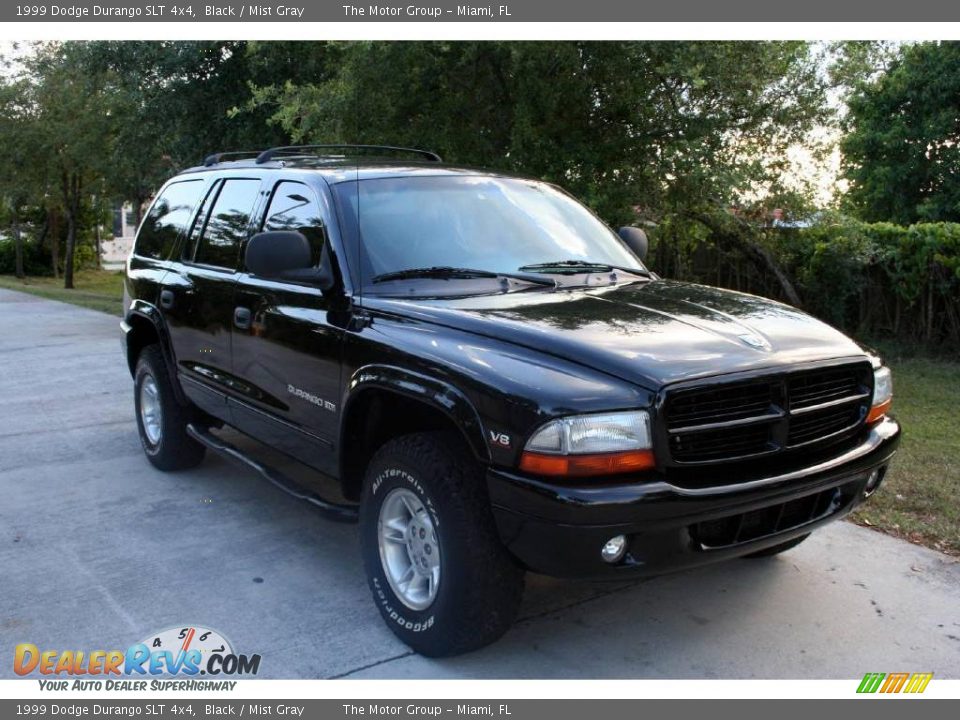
334	511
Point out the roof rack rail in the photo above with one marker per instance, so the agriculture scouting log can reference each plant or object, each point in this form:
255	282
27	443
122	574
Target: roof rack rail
272	153
215	158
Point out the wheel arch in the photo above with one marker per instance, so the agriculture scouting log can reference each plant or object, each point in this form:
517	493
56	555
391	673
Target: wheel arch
146	327
383	402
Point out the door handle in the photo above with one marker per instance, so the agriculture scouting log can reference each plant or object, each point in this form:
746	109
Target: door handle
241	318
166	299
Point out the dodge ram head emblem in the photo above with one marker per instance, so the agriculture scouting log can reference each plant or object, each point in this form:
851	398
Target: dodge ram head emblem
755	341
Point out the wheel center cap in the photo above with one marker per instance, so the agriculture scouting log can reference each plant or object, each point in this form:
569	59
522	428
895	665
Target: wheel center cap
420	547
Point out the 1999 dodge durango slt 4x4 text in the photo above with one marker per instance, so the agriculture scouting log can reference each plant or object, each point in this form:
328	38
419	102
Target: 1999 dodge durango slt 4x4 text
493	376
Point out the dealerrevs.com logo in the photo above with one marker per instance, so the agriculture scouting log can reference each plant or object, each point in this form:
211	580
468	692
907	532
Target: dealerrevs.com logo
185	652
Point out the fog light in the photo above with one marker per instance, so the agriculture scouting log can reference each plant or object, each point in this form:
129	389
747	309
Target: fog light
873	481
614	549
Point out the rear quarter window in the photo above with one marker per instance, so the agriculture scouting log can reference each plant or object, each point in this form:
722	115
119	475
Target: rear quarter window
167	219
227	224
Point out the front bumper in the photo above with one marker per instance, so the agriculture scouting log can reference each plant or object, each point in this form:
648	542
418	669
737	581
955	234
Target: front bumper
559	530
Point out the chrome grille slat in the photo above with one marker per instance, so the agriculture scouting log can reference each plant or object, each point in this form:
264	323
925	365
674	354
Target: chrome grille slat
753	420
859	397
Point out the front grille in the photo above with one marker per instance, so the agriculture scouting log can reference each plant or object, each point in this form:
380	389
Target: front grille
727	402
719	444
821	423
807	389
745	527
721	422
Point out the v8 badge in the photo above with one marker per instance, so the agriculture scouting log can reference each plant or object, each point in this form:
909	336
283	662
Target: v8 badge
499	439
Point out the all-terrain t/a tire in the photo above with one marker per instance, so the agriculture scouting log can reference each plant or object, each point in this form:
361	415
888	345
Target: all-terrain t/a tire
440	576
777	549
161	420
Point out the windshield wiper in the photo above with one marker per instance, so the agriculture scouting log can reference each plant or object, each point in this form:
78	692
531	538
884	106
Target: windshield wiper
582	266
445	272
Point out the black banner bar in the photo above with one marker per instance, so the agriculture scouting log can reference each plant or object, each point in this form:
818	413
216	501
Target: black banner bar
600	709
327	11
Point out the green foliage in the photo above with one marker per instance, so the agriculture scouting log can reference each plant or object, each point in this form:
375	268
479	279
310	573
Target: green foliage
902	147
873	279
918	500
36	260
622	125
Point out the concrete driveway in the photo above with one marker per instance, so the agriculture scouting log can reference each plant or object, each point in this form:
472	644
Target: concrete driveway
99	550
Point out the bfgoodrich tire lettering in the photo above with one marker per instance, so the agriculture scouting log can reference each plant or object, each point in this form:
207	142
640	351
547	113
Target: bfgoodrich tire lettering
480	586
173	449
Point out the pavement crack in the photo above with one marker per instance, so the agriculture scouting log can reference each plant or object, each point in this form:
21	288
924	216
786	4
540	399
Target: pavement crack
578	603
355	670
525	619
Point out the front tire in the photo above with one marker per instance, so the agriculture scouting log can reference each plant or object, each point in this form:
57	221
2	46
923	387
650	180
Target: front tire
161	420
440	576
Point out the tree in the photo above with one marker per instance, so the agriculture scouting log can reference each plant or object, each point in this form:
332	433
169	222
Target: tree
173	103
655	128
23	187
73	129
15	148
902	147
619	123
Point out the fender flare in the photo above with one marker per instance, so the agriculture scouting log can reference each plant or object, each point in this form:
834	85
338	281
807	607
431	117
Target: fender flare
142	310
438	394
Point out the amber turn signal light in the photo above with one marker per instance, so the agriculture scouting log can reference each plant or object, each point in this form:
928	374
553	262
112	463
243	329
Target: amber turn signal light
878	411
586	465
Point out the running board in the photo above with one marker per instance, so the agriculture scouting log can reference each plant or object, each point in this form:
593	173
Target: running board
334	511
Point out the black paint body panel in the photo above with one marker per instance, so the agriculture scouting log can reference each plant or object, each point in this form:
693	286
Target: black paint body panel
497	366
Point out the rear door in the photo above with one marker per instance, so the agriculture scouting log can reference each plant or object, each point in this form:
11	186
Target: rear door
288	360
167	220
197	294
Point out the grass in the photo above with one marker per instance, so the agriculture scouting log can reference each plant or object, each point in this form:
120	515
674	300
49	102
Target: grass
95	289
920	499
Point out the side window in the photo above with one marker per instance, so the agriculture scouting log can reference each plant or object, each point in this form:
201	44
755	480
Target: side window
167	219
190	246
227	225
294	206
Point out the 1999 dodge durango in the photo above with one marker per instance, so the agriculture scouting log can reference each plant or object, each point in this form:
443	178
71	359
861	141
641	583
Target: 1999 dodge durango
494	377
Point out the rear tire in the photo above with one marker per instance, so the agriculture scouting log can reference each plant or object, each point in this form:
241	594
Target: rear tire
161	420
441	578
777	549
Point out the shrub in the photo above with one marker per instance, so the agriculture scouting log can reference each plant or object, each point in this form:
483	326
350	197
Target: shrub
874	279
36	259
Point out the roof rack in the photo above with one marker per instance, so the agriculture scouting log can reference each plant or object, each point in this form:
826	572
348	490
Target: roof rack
220	156
272	153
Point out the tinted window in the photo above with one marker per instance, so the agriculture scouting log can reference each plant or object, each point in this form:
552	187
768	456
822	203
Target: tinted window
167	219
294	207
190	247
227	225
487	223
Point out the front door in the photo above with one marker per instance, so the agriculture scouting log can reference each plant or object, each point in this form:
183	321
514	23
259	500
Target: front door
199	290
288	359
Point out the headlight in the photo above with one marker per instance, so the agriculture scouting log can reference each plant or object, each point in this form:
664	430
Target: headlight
600	444
882	394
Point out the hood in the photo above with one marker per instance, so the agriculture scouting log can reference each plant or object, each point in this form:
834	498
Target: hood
652	333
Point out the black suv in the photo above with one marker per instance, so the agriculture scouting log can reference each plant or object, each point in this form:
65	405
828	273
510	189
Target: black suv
493	376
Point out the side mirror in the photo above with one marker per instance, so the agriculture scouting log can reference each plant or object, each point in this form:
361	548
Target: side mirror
285	255
636	240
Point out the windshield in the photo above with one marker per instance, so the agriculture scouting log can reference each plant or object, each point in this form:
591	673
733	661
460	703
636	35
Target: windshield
490	224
